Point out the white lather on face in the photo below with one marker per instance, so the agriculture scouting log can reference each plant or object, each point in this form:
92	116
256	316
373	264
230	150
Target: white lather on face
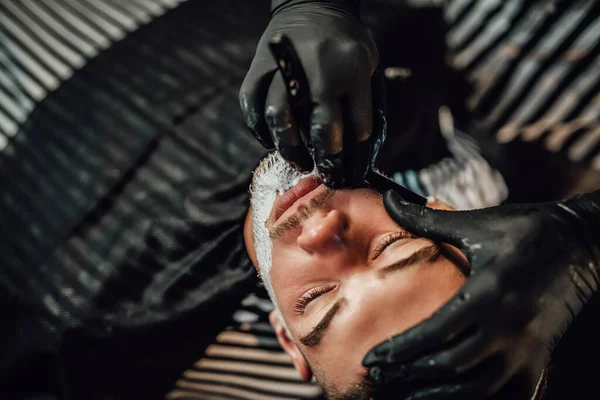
273	176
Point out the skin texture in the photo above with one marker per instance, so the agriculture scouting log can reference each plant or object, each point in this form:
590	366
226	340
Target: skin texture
334	248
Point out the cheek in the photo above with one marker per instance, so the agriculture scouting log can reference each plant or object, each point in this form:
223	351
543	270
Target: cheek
292	269
434	286
380	309
285	269
404	299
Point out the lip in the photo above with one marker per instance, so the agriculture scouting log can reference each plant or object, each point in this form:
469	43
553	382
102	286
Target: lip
290	197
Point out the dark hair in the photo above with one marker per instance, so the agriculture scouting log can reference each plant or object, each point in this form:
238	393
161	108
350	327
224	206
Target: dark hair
364	389
361	390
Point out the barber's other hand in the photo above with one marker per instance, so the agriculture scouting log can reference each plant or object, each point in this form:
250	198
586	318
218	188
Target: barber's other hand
534	266
339	58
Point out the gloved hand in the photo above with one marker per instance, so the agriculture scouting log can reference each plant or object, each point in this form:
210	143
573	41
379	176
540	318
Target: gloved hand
347	124
534	266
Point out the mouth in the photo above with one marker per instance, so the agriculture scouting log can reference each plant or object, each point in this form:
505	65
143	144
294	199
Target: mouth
289	198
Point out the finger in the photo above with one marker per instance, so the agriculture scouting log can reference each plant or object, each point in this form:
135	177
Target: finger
358	147
458	358
449	323
252	96
475	385
326	133
283	130
457	228
427	337
519	385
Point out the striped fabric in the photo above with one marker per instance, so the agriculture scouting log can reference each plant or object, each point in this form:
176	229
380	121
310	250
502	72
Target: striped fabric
84	128
535	66
465	180
245	362
42	43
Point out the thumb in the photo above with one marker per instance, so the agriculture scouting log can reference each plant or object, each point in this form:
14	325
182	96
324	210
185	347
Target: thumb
452	227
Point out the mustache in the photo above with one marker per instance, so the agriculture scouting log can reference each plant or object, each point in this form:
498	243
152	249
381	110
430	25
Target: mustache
320	201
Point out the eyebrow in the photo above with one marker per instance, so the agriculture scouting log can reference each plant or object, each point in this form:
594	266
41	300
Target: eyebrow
423	255
313	338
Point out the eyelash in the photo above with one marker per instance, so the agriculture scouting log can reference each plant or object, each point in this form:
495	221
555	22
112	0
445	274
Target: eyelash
311	295
388	240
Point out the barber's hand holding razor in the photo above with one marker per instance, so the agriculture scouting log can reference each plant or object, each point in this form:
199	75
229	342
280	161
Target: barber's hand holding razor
346	123
534	266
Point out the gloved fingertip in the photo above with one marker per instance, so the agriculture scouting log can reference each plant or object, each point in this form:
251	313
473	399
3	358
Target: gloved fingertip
267	144
304	163
391	197
357	177
361	162
376	375
371	359
332	183
298	157
331	170
264	139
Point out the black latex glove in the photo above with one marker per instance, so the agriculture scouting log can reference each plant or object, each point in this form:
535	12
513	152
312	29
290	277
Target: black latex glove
534	266
347	124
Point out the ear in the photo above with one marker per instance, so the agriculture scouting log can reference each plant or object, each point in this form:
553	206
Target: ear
290	347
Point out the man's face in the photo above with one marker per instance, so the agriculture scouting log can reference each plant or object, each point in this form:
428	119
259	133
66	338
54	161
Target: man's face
346	277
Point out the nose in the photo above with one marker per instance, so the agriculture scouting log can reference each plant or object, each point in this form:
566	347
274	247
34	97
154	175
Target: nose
322	232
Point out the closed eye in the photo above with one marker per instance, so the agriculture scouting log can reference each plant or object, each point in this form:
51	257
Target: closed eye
309	296
388	240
